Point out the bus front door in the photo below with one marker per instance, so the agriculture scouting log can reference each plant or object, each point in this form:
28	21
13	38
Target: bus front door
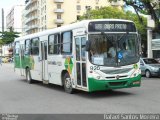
80	42
44	62
22	71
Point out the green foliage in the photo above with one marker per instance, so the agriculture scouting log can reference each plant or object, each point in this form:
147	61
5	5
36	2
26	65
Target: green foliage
115	13
148	7
8	37
1	42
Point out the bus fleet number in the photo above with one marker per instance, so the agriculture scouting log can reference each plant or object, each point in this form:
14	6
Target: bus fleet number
94	68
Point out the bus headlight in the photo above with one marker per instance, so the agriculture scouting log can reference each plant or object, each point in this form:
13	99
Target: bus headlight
96	75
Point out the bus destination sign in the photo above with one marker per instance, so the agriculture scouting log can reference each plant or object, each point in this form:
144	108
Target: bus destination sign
111	26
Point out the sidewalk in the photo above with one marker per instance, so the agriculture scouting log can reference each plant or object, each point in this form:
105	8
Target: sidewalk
11	65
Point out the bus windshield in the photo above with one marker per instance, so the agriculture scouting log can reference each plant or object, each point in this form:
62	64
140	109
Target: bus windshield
113	49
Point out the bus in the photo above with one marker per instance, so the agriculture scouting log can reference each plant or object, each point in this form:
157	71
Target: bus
90	55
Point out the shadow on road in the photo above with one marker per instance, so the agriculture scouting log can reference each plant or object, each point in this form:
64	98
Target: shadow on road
90	95
104	94
150	79
47	86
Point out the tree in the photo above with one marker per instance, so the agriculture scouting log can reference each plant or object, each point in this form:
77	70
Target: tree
149	7
8	37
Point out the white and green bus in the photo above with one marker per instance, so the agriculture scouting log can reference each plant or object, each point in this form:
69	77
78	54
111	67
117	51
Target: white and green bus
90	55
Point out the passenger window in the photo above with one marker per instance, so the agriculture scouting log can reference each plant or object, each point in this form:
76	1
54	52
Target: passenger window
51	44
83	49
54	44
35	46
66	43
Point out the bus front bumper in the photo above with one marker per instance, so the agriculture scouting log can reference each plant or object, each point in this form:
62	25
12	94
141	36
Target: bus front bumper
97	85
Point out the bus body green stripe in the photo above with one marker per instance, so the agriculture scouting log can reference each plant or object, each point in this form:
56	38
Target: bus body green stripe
26	61
97	85
16	61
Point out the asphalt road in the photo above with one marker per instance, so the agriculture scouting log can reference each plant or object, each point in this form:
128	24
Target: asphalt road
17	96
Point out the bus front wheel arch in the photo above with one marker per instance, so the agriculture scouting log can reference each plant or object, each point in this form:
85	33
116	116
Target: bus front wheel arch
67	83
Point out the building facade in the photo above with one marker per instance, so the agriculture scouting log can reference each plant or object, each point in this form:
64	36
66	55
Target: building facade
14	19
40	15
153	38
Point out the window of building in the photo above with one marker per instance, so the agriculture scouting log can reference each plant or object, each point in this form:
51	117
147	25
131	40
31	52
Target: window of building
58	25
78	17
78	7
78	1
97	7
35	46
88	7
54	44
58	6
66	43
97	1
58	16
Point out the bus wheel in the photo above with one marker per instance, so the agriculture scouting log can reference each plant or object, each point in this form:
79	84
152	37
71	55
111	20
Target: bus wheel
148	74
67	83
28	76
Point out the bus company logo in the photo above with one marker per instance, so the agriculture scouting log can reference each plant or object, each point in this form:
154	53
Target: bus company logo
117	77
68	64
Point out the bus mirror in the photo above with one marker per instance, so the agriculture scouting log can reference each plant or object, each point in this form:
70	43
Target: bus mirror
88	45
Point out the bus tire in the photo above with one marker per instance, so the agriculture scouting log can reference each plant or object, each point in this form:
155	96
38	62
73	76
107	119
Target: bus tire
28	76
67	83
148	74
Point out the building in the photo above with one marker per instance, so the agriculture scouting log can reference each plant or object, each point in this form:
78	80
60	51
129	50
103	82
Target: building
7	50
14	19
13	23
153	40
40	15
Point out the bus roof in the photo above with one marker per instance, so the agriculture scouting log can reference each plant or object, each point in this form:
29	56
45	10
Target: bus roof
80	24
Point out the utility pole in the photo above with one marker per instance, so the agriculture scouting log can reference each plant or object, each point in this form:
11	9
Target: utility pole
2	20
2	29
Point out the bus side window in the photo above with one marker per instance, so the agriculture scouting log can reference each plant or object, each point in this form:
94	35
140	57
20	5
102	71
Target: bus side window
51	44
66	46
57	44
35	46
54	44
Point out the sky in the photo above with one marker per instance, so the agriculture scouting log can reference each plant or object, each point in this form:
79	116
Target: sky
7	6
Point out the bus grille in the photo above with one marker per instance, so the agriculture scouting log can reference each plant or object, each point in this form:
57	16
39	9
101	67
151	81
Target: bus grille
113	77
118	71
117	83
